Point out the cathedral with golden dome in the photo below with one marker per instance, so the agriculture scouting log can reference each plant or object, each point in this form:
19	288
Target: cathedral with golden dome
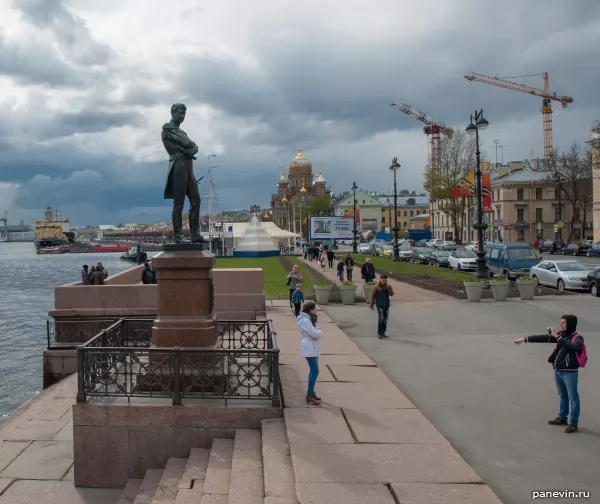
294	193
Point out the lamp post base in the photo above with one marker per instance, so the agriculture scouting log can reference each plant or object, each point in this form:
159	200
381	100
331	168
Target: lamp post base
482	271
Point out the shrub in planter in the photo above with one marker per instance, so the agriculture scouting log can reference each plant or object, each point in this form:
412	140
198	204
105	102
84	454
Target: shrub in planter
368	290
473	289
500	289
527	286
347	292
322	292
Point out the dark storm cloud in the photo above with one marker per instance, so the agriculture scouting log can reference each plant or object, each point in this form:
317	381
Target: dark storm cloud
90	121
68	29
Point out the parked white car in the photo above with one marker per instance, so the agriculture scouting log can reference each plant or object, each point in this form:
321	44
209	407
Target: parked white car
405	253
433	243
363	248
472	246
463	260
446	245
563	274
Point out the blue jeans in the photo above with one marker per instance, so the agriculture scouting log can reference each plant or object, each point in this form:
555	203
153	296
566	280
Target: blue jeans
383	318
313	364
566	383
341	275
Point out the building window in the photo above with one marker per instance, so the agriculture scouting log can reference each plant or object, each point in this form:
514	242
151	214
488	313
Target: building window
383	220
538	214
399	213
556	192
556	214
411	213
521	235
520	194
577	214
405	225
405	213
498	195
520	215
539	193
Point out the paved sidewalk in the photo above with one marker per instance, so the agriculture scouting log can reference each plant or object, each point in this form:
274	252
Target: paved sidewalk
367	442
36	453
402	292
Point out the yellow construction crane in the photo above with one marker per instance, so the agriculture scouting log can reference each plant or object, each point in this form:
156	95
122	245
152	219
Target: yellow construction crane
546	94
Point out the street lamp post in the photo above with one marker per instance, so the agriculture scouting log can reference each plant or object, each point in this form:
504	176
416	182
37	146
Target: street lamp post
394	168
354	230
473	129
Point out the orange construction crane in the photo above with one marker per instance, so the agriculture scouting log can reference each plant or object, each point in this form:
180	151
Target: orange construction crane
545	93
434	129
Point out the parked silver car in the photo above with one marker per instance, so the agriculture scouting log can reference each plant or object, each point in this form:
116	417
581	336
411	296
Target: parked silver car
563	274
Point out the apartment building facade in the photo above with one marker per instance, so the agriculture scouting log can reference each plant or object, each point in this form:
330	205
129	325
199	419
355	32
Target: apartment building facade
525	207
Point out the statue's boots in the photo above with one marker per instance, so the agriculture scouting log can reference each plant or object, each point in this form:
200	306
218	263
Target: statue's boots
197	238
181	238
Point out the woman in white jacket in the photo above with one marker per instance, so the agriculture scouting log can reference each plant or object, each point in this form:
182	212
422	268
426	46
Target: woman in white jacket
311	347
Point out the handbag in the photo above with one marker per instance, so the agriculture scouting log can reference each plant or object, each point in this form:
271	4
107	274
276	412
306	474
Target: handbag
289	281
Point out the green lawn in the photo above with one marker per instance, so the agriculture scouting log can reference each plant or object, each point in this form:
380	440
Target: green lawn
274	274
407	268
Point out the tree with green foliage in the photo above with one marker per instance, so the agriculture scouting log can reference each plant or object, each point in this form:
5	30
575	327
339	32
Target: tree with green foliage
321	205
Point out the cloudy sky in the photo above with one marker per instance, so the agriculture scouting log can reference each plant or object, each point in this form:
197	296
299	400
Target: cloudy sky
86	85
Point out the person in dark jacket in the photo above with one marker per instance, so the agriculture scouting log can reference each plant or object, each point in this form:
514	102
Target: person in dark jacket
330	258
349	267
368	270
566	366
340	270
380	297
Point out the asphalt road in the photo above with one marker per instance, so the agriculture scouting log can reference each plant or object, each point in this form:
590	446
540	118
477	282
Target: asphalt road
491	398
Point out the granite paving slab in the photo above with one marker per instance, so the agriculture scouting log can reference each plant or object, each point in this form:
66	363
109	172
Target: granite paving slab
359	374
325	424
10	450
387	463
393	426
66	433
45	409
350	396
4	483
299	372
420	493
344	493
30	430
56	492
41	460
329	360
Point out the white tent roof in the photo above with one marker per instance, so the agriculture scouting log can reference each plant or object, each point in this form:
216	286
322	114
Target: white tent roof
256	238
240	228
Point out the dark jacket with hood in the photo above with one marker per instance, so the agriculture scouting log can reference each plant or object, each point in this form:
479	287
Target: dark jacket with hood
564	357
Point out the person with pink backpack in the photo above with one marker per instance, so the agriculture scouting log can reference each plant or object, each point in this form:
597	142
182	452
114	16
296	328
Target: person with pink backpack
570	354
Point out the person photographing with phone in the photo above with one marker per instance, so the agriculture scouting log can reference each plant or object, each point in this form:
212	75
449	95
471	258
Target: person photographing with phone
568	356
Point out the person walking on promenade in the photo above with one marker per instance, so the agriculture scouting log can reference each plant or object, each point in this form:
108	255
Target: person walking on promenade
297	299
380	297
294	278
349	267
340	270
568	356
96	277
311	347
330	257
368	270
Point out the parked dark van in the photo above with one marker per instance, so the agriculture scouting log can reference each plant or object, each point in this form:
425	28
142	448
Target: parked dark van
510	260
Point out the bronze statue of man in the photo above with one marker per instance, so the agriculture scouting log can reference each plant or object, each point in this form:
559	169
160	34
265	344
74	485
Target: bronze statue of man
181	181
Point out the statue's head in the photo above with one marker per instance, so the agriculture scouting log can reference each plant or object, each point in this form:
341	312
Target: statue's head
178	112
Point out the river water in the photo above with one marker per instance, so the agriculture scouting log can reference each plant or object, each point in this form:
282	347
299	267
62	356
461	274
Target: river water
27	282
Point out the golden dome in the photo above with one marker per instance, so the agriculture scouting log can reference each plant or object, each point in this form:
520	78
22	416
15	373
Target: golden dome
303	190
282	176
300	163
284	200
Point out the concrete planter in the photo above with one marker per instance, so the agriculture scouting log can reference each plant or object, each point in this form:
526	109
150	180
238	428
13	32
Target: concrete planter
500	289
368	290
473	291
347	293
322	293
526	288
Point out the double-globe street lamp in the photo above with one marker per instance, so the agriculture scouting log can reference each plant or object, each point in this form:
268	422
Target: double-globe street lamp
394	168
473	129
354	230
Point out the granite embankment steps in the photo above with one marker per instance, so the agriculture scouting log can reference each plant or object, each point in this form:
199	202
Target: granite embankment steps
253	468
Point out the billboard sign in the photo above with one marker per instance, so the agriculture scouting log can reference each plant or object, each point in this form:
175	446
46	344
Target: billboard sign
369	224
331	228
